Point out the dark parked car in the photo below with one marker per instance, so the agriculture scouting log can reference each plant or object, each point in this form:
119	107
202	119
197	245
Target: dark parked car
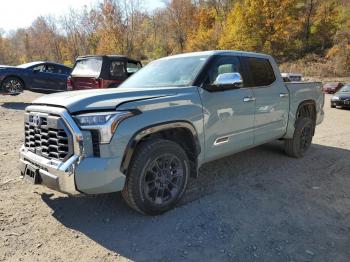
35	76
90	72
332	88
342	98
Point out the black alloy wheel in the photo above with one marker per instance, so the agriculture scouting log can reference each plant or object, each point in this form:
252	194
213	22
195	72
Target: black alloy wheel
157	176
12	86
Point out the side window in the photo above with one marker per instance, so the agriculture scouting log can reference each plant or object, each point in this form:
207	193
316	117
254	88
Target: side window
39	68
222	65
261	71
62	70
117	69
133	67
50	69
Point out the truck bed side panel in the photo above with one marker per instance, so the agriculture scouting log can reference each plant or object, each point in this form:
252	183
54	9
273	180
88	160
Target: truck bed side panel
302	92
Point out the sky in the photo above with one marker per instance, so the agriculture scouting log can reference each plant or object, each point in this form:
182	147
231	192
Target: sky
21	13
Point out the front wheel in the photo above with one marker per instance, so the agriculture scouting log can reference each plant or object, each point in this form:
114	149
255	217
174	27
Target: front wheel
157	177
12	86
302	138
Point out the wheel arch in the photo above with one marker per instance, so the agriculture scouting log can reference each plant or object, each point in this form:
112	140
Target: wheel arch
306	108
16	76
181	132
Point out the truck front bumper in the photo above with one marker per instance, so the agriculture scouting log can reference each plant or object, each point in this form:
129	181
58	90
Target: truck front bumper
55	175
75	176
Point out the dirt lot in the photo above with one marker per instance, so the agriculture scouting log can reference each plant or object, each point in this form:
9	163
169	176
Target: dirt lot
258	205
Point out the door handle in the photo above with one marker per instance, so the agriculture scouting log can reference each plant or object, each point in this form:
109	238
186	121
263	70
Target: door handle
248	99
284	94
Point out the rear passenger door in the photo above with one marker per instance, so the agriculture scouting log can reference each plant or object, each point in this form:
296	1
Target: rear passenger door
271	99
228	113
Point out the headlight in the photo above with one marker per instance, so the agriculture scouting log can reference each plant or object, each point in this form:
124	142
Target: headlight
335	98
105	122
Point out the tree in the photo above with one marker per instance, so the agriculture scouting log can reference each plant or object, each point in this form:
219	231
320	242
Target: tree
180	14
204	35
325	24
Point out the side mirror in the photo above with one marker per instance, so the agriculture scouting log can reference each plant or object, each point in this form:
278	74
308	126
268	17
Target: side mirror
229	80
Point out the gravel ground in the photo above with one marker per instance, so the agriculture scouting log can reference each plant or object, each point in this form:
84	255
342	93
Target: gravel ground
257	205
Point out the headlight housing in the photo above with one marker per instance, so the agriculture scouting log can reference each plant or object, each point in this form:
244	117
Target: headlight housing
335	98
105	122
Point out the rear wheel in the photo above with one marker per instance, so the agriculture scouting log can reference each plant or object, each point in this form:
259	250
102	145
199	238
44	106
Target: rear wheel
333	106
12	86
302	138
157	177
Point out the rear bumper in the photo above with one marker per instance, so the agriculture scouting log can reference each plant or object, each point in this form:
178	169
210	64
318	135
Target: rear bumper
329	91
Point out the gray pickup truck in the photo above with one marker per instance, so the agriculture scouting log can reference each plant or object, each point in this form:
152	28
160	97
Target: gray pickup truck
148	136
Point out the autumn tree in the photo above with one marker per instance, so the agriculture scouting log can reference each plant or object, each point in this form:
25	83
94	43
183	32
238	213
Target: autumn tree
325	24
287	29
180	21
205	33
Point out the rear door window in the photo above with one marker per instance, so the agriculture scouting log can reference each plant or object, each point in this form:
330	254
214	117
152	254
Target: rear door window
260	70
90	67
51	69
133	67
117	69
62	70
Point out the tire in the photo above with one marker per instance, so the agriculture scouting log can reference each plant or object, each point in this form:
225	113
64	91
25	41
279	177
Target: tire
333	106
302	138
152	185
12	86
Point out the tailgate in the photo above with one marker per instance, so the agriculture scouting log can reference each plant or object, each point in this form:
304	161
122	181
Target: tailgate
80	83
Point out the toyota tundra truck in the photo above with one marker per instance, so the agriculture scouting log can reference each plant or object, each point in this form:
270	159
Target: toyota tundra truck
150	135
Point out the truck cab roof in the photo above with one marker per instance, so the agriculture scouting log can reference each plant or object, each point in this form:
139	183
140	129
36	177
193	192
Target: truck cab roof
220	52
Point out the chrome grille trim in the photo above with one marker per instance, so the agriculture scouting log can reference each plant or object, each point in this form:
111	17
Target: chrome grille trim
50	139
67	122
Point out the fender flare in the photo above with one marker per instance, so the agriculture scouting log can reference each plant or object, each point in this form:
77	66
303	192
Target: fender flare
152	129
306	103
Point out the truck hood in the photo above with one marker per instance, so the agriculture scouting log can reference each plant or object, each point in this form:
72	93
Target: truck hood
101	99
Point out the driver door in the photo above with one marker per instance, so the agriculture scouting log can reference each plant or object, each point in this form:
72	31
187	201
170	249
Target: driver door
38	80
228	113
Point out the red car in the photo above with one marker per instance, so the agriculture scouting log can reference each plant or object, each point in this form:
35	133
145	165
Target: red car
331	88
90	72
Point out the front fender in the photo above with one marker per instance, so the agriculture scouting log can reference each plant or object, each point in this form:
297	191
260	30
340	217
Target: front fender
182	110
139	135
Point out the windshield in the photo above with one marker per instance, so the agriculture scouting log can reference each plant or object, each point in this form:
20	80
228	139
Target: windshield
176	71
88	67
345	88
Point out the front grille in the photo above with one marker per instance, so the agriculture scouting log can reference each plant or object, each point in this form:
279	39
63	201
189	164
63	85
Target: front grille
46	135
